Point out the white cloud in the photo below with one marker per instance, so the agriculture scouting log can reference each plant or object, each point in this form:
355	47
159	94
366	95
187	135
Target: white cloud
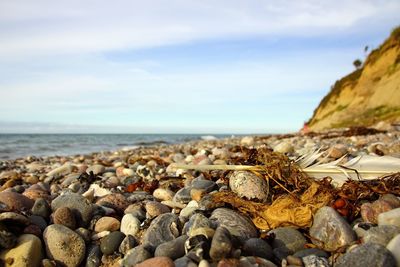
56	27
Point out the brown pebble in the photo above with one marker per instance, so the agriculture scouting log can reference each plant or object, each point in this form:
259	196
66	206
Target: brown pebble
34	230
228	263
157	261
292	260
15	201
64	216
107	224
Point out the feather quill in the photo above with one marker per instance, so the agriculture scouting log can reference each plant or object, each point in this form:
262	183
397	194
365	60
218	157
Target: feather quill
366	167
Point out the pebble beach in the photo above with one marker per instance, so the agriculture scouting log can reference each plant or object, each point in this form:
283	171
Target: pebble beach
133	208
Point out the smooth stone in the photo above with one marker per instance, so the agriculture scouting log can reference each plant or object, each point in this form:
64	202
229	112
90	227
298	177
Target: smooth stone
48	263
107	224
292	260
183	195
255	261
221	244
248	185
84	233
162	229
203	184
61	170
135	256
184	262
371	211
154	209
27	252
7	239
197	220
136	211
64	216
381	234
82	207
284	147
330	231
127	244
204	263
337	151
115	201
130	225
15	201
237	224
369	254
64	245
257	247
311	251
111	242
391	217
14	219
163	194
394	247
39	221
205	231
157	261
197	247
287	241
247	141
33	229
35	194
186	212
41	208
228	263
96	169
93	258
172	249
315	261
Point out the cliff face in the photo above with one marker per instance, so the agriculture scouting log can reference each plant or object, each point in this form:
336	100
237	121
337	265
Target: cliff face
366	96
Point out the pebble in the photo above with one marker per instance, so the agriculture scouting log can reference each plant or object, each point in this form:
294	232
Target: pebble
97	169
173	249
205	231
154	209
394	247
13	219
257	247
315	261
369	254
39	221
196	221
77	203
7	239
311	251
203	184
163	194
248	185
162	229
237	224
84	233
330	230
371	211
27	252
110	243
381	234
15	201
130	225
287	241
337	151
184	262
115	201
64	245
183	195
127	244
247	141
107	224
292	260
135	256
64	216
284	147
157	261
93	256
391	217
221	244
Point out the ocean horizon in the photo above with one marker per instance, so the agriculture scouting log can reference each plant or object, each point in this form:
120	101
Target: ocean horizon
18	145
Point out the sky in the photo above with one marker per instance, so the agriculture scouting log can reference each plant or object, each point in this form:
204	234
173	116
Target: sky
178	66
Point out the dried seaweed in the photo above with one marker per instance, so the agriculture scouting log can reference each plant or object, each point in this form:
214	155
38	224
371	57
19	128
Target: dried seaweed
286	210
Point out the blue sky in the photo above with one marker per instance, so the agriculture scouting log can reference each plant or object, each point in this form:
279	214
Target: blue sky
178	66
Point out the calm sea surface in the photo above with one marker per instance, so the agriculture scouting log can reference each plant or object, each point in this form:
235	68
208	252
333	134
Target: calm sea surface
21	145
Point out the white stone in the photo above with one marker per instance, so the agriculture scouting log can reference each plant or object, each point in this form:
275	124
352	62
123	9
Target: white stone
391	217
130	225
394	247
283	147
163	194
247	141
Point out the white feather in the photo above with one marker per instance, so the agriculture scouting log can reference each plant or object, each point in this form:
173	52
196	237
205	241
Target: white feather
365	167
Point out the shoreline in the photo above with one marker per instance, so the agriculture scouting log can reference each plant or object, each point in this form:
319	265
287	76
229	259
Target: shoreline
124	208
